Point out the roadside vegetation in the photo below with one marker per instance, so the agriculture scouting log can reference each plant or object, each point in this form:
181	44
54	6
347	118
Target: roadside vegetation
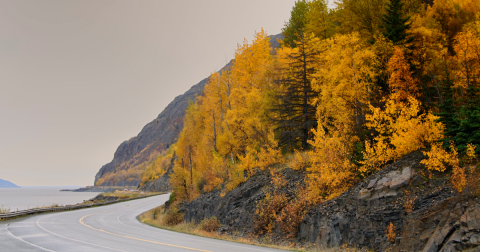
172	220
128	194
4	210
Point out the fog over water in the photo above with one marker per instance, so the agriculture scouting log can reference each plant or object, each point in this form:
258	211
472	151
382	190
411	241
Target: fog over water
25	198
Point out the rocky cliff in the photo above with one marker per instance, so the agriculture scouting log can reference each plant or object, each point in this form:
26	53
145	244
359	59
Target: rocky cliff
154	137
440	220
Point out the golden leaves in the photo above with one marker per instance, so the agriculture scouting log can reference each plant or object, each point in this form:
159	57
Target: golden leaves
227	123
437	156
402	129
345	78
467	49
402	84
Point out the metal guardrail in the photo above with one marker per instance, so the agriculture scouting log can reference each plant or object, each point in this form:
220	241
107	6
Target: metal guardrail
64	208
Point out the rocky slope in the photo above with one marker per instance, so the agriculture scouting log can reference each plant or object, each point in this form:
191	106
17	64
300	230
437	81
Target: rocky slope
236	209
156	135
441	220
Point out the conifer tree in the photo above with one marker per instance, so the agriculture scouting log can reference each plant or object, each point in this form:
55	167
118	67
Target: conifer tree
294	28
295	114
448	113
468	130
395	24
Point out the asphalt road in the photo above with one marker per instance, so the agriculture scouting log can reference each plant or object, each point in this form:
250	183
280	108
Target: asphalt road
107	228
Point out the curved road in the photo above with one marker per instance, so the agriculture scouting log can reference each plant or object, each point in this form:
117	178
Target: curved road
107	228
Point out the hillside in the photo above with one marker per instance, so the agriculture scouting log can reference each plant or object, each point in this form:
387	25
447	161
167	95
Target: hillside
7	184
128	162
438	219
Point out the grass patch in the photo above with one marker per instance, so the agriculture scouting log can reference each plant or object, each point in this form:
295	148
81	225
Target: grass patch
128	194
47	206
4	210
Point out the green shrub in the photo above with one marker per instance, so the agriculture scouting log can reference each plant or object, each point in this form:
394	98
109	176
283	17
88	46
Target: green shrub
172	198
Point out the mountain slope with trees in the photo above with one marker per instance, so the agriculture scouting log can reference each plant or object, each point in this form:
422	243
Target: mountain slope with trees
133	156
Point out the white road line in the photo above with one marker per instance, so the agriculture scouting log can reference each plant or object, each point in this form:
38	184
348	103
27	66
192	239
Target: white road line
31	244
96	245
206	238
130	237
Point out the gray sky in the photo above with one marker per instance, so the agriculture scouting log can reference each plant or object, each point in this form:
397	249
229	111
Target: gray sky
79	77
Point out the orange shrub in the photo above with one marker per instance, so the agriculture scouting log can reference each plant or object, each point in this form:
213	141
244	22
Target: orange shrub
267	211
390	231
292	215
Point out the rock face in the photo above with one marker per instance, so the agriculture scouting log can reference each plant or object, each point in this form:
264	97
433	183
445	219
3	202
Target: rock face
236	209
440	220
156	135
161	184
103	198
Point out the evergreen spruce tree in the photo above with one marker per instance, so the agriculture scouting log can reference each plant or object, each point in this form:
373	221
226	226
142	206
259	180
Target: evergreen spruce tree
295	116
468	130
448	112
395	25
295	27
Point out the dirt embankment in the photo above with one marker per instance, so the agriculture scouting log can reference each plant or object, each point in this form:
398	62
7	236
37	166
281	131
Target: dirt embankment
427	215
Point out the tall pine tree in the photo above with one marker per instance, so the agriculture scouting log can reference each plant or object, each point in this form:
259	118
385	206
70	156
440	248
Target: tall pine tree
295	116
468	130
395	24
448	112
295	27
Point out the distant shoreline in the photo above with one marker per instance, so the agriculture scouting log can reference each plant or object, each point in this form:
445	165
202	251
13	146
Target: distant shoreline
99	189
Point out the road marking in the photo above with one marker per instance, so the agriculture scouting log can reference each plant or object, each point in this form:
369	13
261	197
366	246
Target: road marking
19	238
156	232
134	238
96	245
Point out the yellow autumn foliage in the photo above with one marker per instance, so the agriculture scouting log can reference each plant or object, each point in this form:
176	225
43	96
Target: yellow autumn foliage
365	88
160	165
225	135
467	57
437	160
402	84
402	129
331	171
345	79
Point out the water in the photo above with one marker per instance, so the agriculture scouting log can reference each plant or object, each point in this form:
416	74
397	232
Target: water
25	198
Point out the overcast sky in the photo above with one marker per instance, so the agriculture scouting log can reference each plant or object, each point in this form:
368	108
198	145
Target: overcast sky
77	78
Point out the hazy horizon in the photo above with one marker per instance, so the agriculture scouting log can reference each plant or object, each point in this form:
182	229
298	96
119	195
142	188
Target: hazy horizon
81	77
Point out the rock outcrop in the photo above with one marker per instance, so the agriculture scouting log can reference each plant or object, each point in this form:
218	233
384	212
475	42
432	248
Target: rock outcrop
236	209
103	198
427	214
157	134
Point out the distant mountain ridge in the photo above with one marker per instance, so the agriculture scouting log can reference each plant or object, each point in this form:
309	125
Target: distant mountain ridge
155	137
7	184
